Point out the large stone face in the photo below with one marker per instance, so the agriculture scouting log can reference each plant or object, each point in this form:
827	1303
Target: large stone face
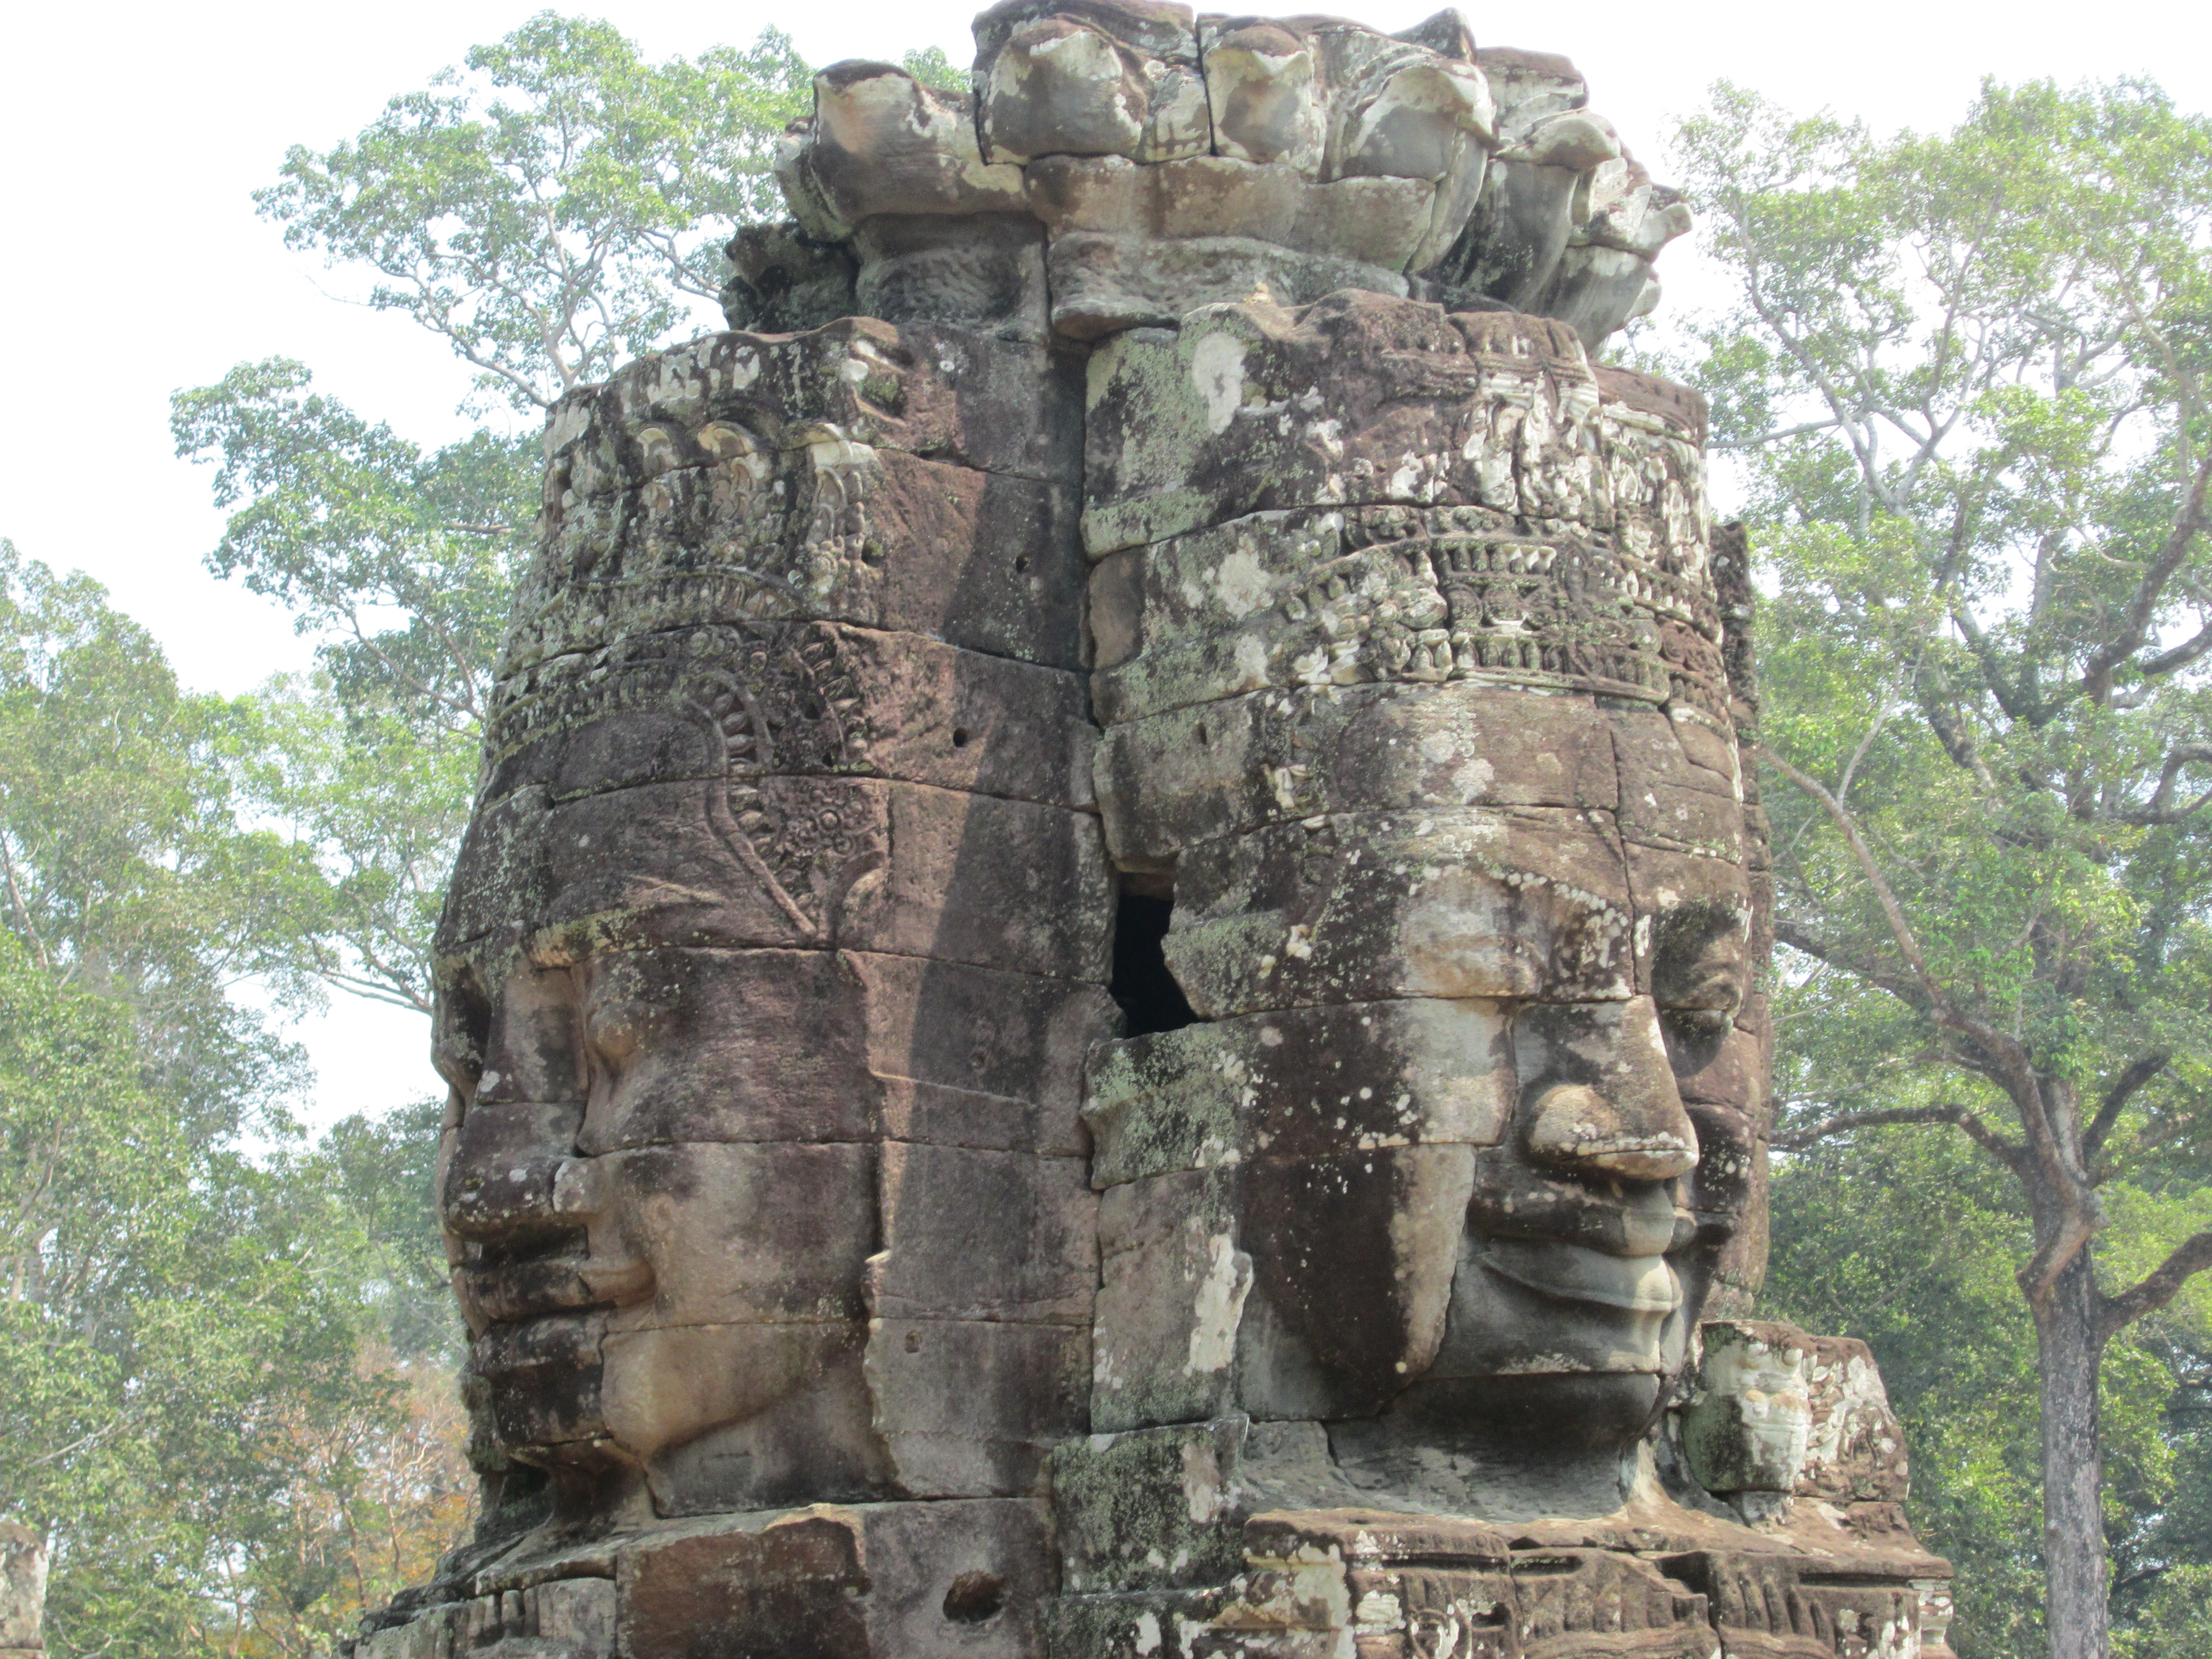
1102	996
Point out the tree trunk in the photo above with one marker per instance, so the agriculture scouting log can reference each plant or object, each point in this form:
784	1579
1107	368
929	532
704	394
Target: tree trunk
2073	1464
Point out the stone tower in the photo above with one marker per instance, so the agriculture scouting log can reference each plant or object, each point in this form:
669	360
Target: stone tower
1104	995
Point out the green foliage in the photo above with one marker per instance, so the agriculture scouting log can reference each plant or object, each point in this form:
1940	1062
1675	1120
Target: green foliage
1964	378
555	208
1908	1238
930	66
401	563
126	870
353	528
184	1283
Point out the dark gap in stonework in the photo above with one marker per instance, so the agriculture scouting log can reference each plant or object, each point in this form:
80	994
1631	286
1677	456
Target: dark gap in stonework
1149	998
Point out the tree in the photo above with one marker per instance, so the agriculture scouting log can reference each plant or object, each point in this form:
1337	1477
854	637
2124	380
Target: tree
551	212
185	1288
1963	378
402	563
556	208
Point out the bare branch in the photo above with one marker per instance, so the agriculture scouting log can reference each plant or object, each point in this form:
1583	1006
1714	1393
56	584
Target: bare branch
2116	1312
2160	808
1979	1133
2115	1098
2096	673
1908	943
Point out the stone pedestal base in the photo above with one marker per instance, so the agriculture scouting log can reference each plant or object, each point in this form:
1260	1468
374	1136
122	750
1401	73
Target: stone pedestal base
957	1579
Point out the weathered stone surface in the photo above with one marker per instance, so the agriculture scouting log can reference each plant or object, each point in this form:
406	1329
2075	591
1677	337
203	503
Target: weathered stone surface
1775	1410
784	282
1360	399
983	273
837	531
925	389
1314	598
1314	137
791	862
1102	284
1298	1288
1294	1084
1068	77
973	1407
765	700
881	143
745	1417
1198	774
565	1617
1156	1509
983	1234
1367	221
878	1581
1341	693
1468	902
995	1035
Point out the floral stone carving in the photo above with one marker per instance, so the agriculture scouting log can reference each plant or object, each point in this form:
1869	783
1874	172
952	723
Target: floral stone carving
1103	996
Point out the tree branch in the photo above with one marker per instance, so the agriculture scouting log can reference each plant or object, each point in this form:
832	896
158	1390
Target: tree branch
2096	673
1908	944
2123	1090
2116	1312
1843	1122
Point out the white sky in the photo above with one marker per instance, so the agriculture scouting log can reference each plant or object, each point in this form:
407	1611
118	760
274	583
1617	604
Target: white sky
132	137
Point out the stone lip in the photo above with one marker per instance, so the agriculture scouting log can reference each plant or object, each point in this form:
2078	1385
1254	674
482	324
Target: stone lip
1118	163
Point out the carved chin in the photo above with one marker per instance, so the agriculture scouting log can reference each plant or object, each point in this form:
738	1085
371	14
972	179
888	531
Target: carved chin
1561	1340
1570	1410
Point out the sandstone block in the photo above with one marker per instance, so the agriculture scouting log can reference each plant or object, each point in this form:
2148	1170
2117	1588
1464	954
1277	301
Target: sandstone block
784	282
842	532
881	142
1771	1604
985	273
1299	1084
1775	1410
1362	399
1103	284
738	1233
1172	780
1007	1036
1600	1603
1373	222
1171	1292
723	1045
972	1408
746	1416
949	393
1308	1288
1151	1510
983	1234
1090	77
1517	903
542	1381
762	700
792	861
564	1619
875	1581
1359	398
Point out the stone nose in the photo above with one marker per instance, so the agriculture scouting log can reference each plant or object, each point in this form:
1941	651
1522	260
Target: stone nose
1598	1092
510	1175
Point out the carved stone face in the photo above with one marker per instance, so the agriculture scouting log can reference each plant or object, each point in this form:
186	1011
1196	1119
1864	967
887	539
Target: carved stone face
1477	1110
658	1214
768	965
